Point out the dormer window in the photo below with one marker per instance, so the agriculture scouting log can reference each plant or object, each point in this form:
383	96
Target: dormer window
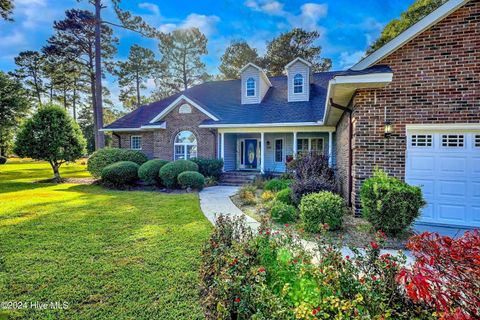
250	87
298	83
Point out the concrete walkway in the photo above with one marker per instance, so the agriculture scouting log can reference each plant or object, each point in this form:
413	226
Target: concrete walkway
216	200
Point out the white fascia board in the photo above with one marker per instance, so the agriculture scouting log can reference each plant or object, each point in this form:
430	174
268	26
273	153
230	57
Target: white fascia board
161	126
397	42
385	77
174	103
298	59
260	125
120	129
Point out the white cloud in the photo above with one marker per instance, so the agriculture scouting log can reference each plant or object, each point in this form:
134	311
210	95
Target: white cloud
206	24
348	59
153	8
15	39
309	17
35	13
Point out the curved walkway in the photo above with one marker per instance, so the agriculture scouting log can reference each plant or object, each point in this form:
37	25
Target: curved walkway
216	200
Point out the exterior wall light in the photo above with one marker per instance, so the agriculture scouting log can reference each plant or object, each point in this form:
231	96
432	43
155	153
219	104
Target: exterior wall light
388	129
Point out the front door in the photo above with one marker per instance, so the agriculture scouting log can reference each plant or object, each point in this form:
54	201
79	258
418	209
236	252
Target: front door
250	153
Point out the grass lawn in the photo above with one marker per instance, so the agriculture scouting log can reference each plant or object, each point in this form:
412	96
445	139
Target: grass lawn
108	254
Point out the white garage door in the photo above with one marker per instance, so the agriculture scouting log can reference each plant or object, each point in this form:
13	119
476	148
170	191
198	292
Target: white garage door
446	164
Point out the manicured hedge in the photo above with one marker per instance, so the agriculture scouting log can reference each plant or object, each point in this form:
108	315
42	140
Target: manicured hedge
150	170
321	208
169	172
104	157
120	173
389	204
277	184
285	196
282	212
209	167
3	160
191	179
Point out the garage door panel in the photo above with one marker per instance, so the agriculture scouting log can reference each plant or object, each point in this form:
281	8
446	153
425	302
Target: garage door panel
449	212
449	175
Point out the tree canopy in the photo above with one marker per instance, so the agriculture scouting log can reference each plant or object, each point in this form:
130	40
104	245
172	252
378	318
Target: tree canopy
414	13
296	43
236	56
14	105
6	9
50	135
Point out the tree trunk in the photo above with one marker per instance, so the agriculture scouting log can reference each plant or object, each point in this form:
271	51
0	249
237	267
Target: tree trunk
2	151
138	89
184	68
56	172
74	105
98	77
94	100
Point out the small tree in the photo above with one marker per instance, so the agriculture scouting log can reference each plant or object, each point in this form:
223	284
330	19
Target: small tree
51	135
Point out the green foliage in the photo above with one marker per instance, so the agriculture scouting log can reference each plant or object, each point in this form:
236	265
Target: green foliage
14	106
267	196
209	167
106	156
150	170
50	135
294	44
321	208
236	56
6	9
120	174
169	172
210	181
282	212
277	184
247	194
3	160
390	204
191	179
285	196
418	10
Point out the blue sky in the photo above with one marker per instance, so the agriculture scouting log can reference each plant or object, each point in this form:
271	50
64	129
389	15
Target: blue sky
346	26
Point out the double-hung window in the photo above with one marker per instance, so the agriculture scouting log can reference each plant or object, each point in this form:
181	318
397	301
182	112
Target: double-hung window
250	86
298	83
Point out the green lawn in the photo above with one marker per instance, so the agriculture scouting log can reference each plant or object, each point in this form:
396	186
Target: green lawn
108	254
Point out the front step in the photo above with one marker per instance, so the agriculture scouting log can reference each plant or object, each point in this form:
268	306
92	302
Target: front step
237	178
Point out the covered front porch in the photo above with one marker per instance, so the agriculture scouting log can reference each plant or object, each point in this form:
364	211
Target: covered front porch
270	149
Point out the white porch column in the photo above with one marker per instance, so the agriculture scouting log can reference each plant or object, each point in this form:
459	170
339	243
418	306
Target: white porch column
262	152
222	148
294	145
330	147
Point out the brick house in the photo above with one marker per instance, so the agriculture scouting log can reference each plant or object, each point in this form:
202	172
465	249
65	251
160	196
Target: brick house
411	108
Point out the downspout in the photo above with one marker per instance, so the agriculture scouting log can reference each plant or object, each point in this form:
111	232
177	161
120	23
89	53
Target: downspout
350	152
119	139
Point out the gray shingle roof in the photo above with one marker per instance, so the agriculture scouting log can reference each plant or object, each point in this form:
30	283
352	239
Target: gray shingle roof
223	100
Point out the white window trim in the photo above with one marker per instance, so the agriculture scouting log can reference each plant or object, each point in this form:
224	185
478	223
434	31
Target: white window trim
474	138
254	87
131	142
310	143
275	150
303	84
452	134
410	140
185	144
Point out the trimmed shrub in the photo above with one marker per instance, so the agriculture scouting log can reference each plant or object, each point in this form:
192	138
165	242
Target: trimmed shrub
106	156
312	174
209	167
150	170
277	184
321	208
390	204
169	172
191	179
285	196
282	212
120	173
3	160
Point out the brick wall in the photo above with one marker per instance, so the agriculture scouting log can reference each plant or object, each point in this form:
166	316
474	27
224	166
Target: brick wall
159	143
436	80
342	154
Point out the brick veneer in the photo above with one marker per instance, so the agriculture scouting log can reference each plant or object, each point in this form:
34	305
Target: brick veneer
159	143
342	154
436	80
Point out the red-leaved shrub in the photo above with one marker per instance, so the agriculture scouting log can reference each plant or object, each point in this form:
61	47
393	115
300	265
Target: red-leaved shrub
446	274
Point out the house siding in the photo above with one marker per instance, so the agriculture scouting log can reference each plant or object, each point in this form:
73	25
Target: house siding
436	81
304	70
260	89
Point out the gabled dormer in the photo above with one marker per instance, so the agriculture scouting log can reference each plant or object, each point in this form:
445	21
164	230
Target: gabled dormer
298	75
255	84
